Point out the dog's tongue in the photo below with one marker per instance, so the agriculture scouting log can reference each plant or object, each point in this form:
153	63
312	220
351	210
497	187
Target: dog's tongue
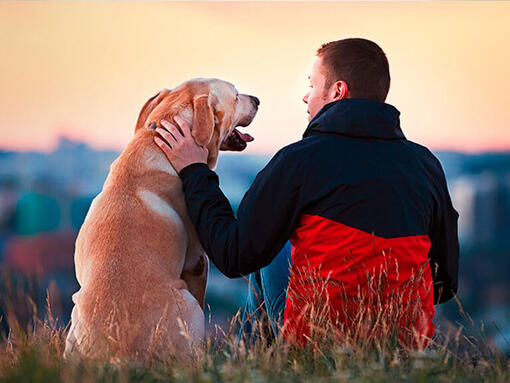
244	136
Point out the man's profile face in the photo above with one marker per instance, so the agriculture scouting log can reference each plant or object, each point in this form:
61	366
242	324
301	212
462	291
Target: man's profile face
319	95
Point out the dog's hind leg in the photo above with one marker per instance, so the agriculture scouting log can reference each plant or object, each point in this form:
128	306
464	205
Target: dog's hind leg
71	344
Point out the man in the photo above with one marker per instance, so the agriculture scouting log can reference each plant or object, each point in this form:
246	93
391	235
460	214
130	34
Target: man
368	213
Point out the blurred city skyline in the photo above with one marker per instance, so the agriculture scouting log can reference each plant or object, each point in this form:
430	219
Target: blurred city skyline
83	70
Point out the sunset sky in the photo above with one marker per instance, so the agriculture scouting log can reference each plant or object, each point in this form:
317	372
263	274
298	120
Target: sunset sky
84	70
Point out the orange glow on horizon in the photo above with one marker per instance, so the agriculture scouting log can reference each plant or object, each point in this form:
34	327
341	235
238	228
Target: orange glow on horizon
84	70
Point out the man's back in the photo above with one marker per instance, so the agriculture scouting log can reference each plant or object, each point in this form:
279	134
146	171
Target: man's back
370	199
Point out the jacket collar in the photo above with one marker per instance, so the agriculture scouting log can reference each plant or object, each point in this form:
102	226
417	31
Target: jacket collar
356	117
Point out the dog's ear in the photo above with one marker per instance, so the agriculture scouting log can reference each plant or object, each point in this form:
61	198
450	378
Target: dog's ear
203	120
146	111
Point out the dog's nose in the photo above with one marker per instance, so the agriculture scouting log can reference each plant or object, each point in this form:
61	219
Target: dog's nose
255	100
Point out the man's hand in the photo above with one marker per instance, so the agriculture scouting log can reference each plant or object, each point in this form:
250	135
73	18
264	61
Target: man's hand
180	148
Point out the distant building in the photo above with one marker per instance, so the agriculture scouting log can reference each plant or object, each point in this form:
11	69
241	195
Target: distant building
41	254
483	202
462	192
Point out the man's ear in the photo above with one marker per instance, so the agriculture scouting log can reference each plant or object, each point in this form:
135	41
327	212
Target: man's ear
146	111
203	120
341	90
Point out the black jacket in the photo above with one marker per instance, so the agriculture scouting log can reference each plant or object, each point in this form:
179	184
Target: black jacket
353	166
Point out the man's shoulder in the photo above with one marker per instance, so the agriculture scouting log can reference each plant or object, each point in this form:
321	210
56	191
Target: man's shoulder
297	149
292	150
420	149
291	157
426	156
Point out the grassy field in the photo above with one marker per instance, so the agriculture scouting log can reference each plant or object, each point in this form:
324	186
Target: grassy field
32	352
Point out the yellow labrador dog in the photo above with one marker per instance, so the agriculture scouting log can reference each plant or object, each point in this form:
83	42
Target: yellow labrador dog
141	268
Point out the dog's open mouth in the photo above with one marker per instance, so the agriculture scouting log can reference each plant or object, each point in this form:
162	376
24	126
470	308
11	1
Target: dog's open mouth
236	141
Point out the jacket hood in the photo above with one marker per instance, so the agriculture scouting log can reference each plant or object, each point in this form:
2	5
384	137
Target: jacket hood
356	117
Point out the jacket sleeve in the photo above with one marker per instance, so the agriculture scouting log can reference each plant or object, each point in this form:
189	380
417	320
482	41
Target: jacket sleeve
266	217
444	250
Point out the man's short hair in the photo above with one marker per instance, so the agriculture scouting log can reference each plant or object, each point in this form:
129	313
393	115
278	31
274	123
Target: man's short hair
361	63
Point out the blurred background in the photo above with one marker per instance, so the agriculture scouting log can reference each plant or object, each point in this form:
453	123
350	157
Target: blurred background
73	77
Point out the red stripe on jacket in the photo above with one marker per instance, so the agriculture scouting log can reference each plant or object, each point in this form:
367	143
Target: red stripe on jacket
358	281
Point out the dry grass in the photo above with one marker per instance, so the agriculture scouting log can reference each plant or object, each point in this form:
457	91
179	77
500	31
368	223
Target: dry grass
33	353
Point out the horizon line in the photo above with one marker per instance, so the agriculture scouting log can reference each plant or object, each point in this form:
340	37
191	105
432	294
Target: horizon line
106	148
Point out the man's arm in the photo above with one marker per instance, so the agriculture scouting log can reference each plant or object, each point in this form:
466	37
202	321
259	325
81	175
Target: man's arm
268	213
444	250
266	217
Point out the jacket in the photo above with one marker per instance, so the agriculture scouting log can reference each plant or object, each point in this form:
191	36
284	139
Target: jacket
354	197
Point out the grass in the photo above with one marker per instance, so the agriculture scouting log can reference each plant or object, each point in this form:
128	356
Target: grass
32	352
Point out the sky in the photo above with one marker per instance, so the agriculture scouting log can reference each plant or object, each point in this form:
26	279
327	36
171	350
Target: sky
84	69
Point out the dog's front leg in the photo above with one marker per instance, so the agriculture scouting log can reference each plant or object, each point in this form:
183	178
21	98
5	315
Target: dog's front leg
195	275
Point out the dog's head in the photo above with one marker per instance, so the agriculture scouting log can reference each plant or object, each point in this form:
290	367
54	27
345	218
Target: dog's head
212	107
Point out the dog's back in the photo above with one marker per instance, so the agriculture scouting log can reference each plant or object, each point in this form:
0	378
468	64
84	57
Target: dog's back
129	257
